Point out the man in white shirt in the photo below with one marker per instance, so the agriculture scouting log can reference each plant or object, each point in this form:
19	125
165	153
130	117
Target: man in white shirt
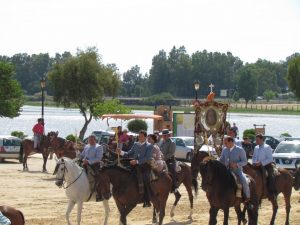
262	157
233	134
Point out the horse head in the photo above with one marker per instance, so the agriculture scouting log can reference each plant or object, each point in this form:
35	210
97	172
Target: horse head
59	171
197	159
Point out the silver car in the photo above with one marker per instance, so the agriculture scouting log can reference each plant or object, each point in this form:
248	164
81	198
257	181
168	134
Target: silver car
185	147
9	147
287	154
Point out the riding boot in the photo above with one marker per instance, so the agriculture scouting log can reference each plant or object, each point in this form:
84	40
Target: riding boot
174	177
147	188
271	181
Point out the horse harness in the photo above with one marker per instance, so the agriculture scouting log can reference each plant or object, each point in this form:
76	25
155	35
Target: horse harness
63	177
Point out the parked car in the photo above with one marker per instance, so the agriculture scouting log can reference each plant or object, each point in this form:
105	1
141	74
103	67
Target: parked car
101	136
9	147
287	154
272	141
185	147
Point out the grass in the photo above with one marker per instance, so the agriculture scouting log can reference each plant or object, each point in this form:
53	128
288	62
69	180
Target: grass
284	111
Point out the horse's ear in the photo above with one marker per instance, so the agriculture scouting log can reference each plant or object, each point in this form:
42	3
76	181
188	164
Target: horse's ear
62	159
297	166
56	133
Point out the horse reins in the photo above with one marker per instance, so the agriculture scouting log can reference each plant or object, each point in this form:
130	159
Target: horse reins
63	178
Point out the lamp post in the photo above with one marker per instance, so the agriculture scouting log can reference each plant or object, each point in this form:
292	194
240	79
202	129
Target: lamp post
43	84
197	86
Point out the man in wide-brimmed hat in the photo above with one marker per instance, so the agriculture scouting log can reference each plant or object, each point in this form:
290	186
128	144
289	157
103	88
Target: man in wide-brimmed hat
168	148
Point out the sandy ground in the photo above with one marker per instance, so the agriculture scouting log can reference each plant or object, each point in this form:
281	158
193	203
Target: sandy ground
43	203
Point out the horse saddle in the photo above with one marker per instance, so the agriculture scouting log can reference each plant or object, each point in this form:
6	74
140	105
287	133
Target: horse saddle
239	190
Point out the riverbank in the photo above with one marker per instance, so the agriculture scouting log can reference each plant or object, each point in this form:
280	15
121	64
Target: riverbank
278	109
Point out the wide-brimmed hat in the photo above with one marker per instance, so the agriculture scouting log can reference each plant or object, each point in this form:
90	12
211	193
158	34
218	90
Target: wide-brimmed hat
165	132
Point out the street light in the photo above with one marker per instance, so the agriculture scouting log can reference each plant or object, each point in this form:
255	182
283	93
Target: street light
197	87
43	85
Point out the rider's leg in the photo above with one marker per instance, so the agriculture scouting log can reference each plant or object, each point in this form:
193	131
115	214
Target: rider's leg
244	182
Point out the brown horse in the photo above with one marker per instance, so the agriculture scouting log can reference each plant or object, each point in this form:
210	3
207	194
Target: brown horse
27	148
62	147
283	184
126	193
220	187
184	177
297	178
16	217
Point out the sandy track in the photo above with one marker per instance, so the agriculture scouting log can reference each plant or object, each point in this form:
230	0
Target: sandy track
43	203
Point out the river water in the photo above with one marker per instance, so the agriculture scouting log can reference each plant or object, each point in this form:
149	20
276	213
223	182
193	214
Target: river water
70	121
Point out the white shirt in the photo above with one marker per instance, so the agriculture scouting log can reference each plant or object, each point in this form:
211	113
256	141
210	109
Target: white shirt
262	153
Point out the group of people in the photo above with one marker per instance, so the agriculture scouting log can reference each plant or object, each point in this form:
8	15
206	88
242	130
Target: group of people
145	152
234	157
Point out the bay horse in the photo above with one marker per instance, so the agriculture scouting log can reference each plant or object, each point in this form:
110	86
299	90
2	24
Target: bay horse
297	178
75	182
220	187
283	184
62	147
27	148
126	193
15	216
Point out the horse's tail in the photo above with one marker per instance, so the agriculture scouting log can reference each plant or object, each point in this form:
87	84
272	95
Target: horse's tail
21	153
195	185
22	216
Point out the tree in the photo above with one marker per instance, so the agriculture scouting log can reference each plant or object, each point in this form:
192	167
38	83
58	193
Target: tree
293	76
113	106
11	95
136	125
83	80
269	94
247	84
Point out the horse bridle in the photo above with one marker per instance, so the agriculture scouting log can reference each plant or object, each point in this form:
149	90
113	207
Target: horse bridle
63	176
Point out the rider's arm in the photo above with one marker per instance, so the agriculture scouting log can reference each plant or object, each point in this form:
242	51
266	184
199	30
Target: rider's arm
243	158
254	157
268	156
170	150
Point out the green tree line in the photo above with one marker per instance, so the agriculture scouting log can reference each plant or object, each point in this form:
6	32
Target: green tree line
173	72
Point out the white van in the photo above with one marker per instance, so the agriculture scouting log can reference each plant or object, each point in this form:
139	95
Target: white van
9	147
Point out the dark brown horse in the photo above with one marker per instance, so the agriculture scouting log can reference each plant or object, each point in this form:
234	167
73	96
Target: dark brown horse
184	177
283	184
62	147
126	194
27	148
220	187
15	216
297	178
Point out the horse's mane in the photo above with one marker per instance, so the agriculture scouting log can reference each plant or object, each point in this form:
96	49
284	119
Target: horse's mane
221	173
116	167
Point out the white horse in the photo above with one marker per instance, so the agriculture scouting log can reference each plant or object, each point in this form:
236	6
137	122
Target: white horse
74	180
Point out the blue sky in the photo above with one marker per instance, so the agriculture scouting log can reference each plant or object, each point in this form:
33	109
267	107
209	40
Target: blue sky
130	32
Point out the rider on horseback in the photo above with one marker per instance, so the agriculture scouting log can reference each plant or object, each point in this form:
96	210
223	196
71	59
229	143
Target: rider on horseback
235	158
142	153
168	148
38	131
262	157
91	157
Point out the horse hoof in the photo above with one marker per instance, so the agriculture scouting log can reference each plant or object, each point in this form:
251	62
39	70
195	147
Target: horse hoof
190	217
244	221
172	214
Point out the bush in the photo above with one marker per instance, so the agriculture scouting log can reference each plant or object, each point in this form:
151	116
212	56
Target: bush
136	125
71	137
285	135
269	94
249	133
236	96
159	99
18	134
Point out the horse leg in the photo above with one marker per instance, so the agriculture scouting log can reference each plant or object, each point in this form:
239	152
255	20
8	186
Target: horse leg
213	212
107	210
69	209
79	210
191	198
154	219
226	216
177	197
45	157
162	208
25	167
275	208
239	214
287	199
